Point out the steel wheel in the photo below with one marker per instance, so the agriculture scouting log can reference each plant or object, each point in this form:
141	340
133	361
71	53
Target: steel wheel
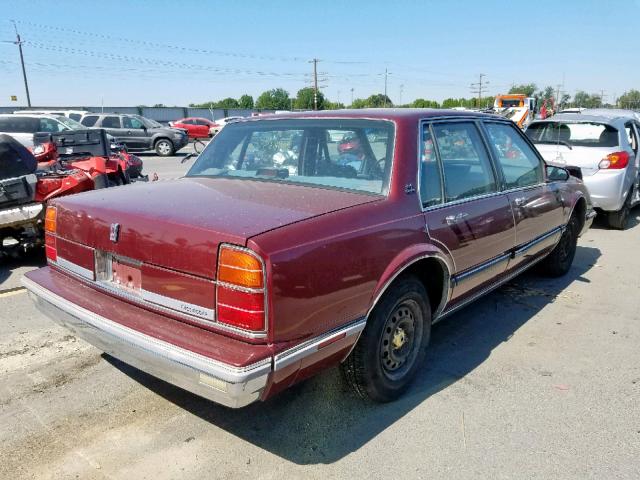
398	343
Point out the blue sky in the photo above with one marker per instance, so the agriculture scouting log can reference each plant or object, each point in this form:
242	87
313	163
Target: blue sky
147	52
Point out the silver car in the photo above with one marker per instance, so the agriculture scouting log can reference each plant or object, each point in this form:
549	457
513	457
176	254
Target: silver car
604	145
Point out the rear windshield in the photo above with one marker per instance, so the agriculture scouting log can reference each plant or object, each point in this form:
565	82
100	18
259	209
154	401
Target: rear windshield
581	134
342	154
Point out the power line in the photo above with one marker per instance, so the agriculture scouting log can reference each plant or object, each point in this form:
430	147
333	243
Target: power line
478	87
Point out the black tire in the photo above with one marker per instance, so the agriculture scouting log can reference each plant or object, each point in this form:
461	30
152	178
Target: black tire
559	261
164	147
618	220
115	180
393	344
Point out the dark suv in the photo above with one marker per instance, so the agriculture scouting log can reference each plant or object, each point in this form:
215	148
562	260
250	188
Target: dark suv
139	133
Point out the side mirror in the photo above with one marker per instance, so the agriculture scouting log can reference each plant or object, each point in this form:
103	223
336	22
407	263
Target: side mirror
557	174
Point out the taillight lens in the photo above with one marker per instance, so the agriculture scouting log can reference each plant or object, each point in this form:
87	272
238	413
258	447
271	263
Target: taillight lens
240	297
50	220
50	234
616	160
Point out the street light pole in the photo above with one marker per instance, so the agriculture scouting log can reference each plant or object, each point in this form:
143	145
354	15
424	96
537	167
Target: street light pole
386	74
24	72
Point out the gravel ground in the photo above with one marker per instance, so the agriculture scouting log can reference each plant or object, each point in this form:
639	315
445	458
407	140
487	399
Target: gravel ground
540	379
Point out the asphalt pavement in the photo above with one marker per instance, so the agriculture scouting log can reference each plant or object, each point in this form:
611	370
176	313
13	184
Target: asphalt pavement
540	379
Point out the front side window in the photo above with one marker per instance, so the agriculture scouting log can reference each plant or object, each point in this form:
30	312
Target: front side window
111	122
302	151
520	165
131	122
465	161
51	126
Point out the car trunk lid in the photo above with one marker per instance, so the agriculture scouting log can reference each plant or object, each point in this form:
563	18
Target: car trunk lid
587	158
179	224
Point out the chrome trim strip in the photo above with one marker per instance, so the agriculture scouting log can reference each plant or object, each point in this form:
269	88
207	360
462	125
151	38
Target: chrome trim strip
231	286
75	268
185	307
486	290
537	240
480	268
311	346
197	373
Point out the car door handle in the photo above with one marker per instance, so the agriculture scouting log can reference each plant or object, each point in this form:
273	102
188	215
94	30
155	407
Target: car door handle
453	219
520	201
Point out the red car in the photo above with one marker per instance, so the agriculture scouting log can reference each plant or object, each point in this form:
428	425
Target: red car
196	127
271	261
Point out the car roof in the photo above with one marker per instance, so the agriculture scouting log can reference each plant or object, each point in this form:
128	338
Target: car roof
394	114
34	115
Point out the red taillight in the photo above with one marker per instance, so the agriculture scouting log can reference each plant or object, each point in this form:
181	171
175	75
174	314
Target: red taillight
616	160
240	297
50	247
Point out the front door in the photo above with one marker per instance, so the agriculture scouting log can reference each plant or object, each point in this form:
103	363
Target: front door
135	131
465	213
538	207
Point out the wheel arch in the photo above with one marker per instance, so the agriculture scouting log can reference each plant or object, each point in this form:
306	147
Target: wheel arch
430	266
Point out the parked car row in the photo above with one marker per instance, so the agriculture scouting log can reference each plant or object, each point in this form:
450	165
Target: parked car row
291	253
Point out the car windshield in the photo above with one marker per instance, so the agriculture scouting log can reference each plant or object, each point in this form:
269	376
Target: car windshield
579	134
150	123
72	124
303	151
510	103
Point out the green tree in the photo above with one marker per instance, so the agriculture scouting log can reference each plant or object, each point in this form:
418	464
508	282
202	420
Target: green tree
527	88
359	103
228	103
275	99
586	100
630	99
246	101
304	99
332	105
379	100
422	103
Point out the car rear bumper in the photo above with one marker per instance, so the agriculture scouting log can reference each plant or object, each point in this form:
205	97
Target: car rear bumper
19	215
212	379
607	189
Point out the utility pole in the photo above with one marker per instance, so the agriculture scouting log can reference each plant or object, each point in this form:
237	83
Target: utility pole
315	82
386	74
351	97
401	89
479	87
602	95
19	43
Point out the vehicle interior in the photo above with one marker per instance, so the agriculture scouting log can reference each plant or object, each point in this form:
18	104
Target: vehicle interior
303	152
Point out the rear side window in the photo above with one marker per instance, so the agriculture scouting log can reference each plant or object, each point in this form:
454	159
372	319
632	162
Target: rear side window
520	165
89	120
578	134
111	122
18	124
430	175
465	161
631	137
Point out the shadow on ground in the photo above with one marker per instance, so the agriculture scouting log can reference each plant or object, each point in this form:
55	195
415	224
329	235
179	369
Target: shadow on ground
600	223
321	421
8	265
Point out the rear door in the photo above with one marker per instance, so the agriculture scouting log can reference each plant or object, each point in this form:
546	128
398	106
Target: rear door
538	206
113	126
200	128
465	213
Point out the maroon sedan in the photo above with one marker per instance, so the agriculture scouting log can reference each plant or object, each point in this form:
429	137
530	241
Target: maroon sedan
275	258
196	127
